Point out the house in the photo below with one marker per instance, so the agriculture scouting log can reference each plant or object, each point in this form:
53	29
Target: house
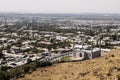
115	43
106	38
15	49
45	42
82	47
86	54
104	51
61	38
3	40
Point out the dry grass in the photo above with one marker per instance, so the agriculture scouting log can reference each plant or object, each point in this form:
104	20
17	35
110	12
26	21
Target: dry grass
103	68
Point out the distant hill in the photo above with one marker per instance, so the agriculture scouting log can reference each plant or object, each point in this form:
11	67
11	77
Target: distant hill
81	16
102	68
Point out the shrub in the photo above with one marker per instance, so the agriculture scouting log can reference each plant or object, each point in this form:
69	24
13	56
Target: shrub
33	67
112	55
26	68
45	63
16	72
118	78
21	70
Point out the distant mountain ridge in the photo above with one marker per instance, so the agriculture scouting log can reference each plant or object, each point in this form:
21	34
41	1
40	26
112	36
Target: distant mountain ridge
79	16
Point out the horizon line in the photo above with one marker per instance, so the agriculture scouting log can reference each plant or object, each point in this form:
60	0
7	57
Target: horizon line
54	13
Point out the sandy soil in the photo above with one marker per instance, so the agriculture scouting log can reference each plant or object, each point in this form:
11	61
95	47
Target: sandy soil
102	68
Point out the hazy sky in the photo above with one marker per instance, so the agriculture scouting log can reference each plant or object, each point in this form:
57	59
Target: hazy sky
60	6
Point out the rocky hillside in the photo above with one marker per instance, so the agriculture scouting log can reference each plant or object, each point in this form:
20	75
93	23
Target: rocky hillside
102	68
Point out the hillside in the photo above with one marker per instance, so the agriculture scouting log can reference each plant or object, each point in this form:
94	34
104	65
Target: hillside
102	68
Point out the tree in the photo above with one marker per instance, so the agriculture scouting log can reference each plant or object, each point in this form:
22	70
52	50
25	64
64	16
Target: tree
52	40
114	37
1	55
49	47
29	60
4	76
4	68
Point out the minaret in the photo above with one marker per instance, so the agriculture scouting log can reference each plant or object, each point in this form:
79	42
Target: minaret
31	28
91	50
82	43
73	45
31	32
5	22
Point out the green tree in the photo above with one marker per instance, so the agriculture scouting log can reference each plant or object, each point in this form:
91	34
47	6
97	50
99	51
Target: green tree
4	68
1	55
114	37
29	61
4	76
